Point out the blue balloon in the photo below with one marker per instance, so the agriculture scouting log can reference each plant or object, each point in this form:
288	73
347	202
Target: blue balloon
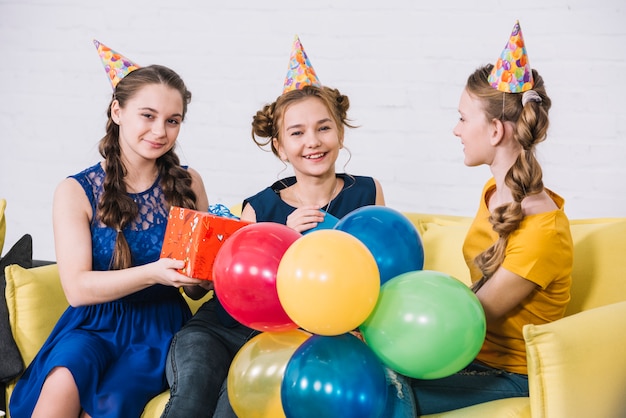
329	222
390	236
334	376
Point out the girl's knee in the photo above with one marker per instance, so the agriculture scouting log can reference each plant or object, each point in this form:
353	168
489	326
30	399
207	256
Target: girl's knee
59	384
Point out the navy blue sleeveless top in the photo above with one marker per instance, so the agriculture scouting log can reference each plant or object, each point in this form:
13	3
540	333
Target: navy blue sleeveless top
357	191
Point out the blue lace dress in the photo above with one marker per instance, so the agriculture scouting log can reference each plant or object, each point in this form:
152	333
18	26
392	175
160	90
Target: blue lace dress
116	351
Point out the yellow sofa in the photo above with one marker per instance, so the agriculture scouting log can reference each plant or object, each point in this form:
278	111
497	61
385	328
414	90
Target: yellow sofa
576	365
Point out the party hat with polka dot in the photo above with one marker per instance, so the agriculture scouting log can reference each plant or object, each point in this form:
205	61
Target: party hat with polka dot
116	65
512	73
300	72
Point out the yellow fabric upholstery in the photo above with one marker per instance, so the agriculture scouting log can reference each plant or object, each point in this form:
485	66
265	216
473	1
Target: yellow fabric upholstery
443	238
3	224
502	408
577	366
236	210
599	275
155	407
35	301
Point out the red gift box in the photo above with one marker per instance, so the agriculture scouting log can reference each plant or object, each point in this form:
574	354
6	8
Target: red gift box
196	237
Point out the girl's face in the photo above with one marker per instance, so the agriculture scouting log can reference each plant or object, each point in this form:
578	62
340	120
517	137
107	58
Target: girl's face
149	122
474	130
309	138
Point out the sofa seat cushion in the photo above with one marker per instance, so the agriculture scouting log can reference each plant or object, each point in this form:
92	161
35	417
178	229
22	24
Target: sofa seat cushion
502	408
576	364
155	407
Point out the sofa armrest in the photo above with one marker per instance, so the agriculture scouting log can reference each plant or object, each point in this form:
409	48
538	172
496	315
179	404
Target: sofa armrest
576	365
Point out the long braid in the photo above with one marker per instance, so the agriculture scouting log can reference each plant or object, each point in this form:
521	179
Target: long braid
525	177
176	181
116	209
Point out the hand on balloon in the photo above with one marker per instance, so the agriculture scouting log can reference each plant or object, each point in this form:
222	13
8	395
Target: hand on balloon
305	218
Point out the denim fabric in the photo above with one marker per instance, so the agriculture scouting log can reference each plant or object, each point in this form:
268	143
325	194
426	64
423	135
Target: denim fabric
198	362
475	384
400	400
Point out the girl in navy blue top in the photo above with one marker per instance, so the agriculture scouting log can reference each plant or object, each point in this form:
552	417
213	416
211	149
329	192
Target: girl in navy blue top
305	128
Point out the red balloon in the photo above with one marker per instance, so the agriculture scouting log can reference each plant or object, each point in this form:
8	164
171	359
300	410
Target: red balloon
244	275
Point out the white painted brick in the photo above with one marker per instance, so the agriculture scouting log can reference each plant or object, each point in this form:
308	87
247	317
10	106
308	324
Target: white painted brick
402	63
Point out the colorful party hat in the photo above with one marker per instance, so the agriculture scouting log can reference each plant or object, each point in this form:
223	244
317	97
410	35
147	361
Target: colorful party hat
300	72
512	73
116	65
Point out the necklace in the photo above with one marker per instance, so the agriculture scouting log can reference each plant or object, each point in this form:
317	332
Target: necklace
138	185
330	198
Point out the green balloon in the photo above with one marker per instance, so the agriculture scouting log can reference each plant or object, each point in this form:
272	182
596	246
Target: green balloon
426	324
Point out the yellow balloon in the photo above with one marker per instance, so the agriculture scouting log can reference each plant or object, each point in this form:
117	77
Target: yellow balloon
257	371
328	282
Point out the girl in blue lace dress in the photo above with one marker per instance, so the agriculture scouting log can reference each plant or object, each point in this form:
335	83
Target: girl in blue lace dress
106	355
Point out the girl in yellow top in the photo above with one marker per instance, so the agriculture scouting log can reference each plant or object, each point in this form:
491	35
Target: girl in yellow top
519	248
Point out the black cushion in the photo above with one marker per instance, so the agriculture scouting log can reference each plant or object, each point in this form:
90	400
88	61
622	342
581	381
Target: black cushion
12	364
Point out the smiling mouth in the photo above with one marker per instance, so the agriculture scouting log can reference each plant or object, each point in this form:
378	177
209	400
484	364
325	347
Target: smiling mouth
154	144
315	156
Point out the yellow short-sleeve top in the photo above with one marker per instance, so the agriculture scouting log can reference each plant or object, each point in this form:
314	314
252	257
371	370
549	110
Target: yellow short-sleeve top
540	250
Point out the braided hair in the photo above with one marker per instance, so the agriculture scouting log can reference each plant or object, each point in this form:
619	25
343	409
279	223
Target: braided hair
116	208
525	177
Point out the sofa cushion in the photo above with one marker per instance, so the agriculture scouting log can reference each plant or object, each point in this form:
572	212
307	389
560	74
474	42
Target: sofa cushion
35	301
11	365
442	237
576	364
155	407
599	274
501	408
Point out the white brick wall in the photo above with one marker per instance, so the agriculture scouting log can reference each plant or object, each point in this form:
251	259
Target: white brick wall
402	62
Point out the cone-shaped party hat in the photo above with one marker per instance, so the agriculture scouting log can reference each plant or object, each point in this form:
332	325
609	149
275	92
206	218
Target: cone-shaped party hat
512	73
300	72
116	65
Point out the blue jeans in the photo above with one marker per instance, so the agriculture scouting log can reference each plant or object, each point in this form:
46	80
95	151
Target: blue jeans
475	384
400	400
198	361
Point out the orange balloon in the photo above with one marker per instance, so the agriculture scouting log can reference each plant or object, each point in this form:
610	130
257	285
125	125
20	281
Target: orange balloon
328	282
256	373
